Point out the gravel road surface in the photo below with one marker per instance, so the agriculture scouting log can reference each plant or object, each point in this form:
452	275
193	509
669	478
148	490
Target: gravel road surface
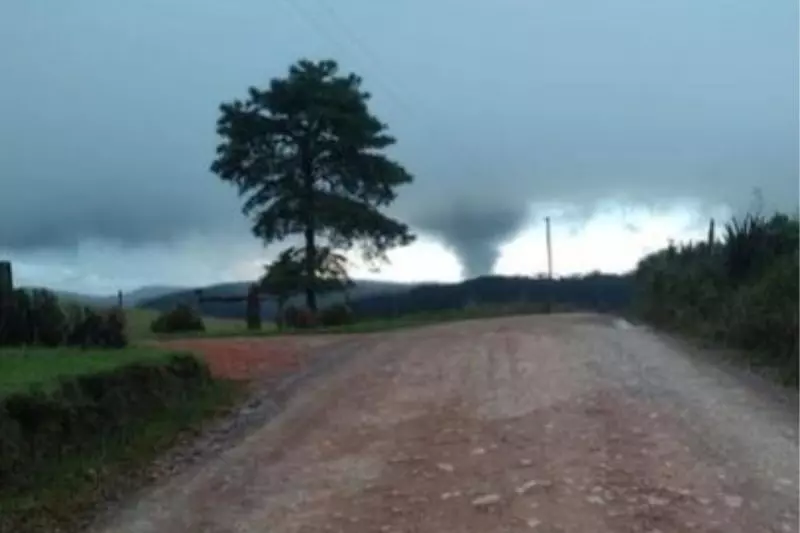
564	423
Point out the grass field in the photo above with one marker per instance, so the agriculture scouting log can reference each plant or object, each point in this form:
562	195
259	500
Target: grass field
220	328
139	320
21	368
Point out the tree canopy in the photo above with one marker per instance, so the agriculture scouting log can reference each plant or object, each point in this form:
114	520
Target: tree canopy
286	276
306	155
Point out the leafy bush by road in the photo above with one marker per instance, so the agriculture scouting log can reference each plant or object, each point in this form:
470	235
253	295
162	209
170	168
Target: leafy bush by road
741	291
182	318
68	441
38	318
336	315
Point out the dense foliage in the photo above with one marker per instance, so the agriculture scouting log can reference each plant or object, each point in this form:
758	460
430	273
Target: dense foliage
37	318
336	315
741	290
299	317
181	318
83	415
306	155
286	276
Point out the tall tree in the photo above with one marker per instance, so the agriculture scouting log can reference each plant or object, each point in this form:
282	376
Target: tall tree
306	154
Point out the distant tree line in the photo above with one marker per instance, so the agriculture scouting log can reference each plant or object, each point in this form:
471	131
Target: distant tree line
599	292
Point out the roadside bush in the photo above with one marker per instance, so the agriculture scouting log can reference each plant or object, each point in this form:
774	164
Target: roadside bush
299	318
32	317
16	326
83	414
336	315
90	328
47	318
764	317
741	292
182	318
37	317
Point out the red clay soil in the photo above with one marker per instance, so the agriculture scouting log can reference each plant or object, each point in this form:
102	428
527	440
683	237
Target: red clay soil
248	358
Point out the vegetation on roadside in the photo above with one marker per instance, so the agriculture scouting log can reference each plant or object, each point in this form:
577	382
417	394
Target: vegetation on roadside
306	153
740	291
286	277
25	367
37	317
341	320
183	318
139	326
69	440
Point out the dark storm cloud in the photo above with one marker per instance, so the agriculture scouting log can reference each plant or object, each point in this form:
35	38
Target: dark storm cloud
475	232
107	110
117	214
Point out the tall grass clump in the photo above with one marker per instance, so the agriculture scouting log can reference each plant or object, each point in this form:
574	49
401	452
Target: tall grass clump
740	290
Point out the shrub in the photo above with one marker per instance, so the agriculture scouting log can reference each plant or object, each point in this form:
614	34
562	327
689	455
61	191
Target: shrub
84	413
299	318
182	318
336	315
16	326
114	328
47	317
37	317
89	328
741	292
32	317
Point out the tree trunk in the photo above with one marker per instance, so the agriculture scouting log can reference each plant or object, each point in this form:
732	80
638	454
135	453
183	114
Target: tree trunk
311	247
253	308
279	318
311	271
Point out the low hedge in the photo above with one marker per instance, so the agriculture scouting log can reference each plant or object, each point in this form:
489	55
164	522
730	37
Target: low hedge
181	318
82	414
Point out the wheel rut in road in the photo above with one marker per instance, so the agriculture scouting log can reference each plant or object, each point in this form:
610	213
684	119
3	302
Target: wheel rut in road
564	423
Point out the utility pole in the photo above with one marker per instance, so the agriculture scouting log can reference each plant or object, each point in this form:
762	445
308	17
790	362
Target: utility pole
549	266
549	249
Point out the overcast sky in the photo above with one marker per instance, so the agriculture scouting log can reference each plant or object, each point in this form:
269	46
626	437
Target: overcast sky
628	121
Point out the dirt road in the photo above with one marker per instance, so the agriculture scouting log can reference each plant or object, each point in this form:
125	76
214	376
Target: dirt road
548	424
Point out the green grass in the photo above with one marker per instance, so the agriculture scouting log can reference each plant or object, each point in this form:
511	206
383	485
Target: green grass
69	492
21	368
139	320
386	324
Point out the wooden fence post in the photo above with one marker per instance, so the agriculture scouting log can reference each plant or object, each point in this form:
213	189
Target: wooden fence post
6	281
6	291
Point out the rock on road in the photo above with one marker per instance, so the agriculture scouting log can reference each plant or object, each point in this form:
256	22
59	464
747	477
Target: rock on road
563	423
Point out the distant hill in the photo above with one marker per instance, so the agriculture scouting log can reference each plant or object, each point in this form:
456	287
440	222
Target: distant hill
601	292
362	289
143	294
129	299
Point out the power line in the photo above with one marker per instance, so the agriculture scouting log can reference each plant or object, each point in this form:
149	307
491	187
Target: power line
549	249
321	28
365	50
